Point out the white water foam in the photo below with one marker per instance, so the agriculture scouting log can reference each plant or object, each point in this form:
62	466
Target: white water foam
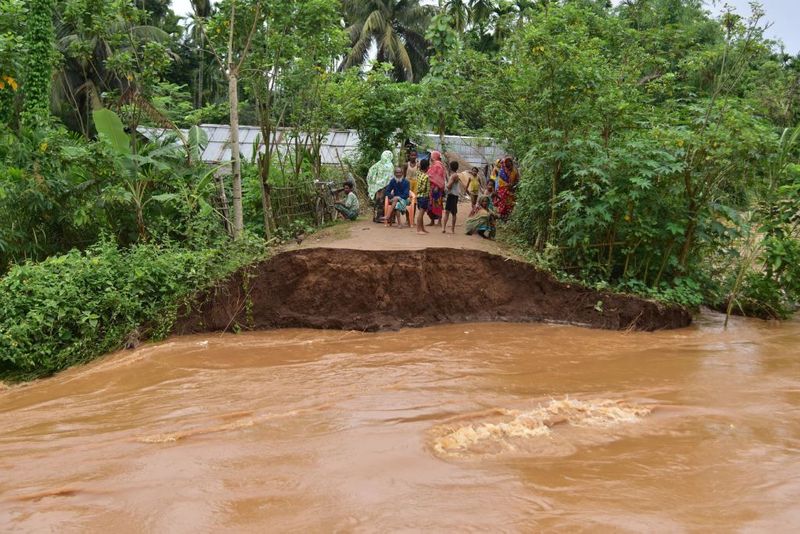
503	429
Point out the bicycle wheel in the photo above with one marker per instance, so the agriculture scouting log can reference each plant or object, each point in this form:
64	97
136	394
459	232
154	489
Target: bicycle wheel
331	213
320	211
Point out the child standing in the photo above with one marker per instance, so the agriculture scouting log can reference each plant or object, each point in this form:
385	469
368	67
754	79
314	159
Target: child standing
453	189
411	170
423	195
490	192
473	186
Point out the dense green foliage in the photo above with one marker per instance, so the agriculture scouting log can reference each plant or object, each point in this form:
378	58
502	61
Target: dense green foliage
644	139
382	112
658	145
60	191
77	306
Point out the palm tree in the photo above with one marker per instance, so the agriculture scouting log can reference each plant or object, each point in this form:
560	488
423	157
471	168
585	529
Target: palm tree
202	10
493	21
459	14
396	30
84	75
482	16
481	11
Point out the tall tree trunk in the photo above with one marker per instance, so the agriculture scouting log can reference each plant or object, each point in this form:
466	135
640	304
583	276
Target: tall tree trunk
266	197
233	138
265	161
688	240
553	194
222	198
140	222
692	209
236	161
201	68
298	158
316	159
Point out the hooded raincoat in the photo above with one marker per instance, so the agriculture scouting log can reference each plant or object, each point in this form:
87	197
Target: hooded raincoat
379	174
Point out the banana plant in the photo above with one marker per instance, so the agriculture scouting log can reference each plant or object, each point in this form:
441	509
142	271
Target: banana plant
142	169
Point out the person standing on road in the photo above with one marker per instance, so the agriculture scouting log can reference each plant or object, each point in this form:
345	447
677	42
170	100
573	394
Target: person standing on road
453	194
473	185
411	170
423	195
438	176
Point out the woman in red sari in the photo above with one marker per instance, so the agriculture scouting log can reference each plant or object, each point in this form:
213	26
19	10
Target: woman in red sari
506	178
437	173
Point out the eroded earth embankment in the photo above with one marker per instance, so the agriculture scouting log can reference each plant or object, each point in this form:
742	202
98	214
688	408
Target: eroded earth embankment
383	289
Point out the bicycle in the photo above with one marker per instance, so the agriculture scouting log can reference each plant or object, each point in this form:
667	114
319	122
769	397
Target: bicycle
324	210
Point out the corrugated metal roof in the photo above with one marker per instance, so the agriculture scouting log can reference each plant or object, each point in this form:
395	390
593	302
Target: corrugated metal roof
477	151
337	145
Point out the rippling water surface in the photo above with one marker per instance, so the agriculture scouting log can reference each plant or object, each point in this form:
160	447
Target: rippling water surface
495	427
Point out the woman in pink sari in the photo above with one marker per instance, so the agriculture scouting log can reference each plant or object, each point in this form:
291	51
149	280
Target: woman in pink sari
437	173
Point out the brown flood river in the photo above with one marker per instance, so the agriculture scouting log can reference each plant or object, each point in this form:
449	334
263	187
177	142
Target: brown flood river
490	427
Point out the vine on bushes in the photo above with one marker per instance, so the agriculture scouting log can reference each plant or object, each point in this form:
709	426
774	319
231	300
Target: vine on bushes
78	306
39	37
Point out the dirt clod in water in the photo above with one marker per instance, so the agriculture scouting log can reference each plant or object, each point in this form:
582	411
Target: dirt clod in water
384	289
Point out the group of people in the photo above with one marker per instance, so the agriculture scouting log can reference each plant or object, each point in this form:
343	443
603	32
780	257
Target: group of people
435	190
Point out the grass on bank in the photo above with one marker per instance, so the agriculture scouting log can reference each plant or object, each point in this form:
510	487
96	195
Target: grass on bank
685	292
736	285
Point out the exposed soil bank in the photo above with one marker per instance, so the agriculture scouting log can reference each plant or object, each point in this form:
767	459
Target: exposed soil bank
385	289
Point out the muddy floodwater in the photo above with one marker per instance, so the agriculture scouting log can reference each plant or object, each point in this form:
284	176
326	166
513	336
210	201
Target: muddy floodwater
486	427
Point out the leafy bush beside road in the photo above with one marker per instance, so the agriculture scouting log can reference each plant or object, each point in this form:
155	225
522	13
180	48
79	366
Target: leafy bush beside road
77	306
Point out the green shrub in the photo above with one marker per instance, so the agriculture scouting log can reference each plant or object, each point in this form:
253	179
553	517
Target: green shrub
765	284
762	297
74	307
